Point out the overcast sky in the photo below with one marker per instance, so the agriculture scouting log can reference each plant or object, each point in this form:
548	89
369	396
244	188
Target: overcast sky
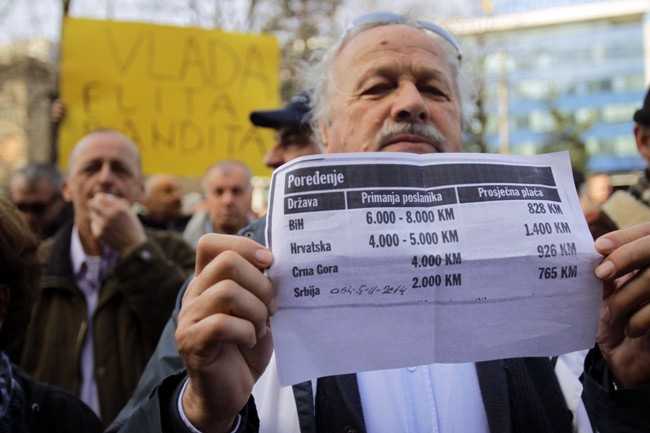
23	19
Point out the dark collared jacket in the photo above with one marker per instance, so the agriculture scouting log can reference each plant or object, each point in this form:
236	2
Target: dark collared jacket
135	300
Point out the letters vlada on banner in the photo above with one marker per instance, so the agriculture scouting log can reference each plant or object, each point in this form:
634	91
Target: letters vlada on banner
182	94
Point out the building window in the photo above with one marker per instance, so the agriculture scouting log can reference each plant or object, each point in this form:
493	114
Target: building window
540	121
612	113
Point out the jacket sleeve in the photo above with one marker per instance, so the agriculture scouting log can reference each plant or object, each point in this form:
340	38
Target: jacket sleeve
623	411
159	412
150	278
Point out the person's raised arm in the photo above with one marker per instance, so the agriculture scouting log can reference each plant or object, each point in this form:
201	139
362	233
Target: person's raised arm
223	334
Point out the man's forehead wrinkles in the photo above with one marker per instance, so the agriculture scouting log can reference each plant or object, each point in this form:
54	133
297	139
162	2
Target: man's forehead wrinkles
391	38
419	70
373	56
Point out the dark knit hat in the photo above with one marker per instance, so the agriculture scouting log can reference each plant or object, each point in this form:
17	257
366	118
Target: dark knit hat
642	115
294	113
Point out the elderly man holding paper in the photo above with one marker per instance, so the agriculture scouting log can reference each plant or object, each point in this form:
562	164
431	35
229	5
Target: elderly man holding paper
390	84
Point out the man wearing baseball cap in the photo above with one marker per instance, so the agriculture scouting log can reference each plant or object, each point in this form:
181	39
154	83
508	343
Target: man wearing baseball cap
293	137
631	207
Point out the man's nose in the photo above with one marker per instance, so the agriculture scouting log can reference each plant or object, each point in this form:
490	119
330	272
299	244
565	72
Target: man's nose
409	105
105	174
227	197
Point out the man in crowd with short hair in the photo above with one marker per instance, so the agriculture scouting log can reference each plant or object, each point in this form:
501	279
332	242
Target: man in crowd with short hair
36	191
109	283
228	194
293	134
163	204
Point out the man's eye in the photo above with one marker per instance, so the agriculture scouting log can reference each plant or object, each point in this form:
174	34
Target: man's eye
91	168
433	90
377	89
121	170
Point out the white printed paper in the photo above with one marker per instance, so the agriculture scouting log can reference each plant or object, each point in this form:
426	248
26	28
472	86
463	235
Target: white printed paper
386	260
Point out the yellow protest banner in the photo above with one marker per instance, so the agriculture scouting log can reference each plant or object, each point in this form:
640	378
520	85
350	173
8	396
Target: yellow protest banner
183	95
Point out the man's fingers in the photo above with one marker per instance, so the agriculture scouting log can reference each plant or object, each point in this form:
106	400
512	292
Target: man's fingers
609	242
213	244
639	323
104	204
229	265
631	255
203	337
225	299
628	305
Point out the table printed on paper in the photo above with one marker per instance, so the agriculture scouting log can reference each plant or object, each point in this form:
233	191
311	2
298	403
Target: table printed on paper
386	260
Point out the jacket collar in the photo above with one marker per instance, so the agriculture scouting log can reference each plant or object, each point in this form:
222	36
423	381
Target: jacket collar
57	252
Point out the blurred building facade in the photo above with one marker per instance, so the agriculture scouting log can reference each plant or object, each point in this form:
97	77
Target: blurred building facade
592	56
28	78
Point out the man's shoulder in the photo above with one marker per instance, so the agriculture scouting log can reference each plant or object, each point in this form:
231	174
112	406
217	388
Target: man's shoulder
255	230
45	248
198	216
195	227
54	251
625	210
177	226
167	239
53	409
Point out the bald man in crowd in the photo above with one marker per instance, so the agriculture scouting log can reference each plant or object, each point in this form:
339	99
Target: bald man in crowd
228	194
109	283
163	204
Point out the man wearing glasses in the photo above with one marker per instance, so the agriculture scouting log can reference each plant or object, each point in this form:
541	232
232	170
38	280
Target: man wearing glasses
388	85
36	192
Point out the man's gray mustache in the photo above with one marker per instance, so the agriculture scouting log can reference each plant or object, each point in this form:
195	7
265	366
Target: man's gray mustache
427	131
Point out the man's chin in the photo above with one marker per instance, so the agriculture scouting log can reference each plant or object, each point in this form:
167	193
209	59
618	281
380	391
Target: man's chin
232	226
411	147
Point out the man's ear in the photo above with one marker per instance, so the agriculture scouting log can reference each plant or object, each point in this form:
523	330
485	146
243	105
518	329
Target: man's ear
65	191
642	138
324	138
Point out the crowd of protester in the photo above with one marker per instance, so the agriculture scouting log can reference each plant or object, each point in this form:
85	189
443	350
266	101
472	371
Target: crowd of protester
110	250
98	264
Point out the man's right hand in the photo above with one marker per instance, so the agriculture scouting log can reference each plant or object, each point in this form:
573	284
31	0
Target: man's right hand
223	334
